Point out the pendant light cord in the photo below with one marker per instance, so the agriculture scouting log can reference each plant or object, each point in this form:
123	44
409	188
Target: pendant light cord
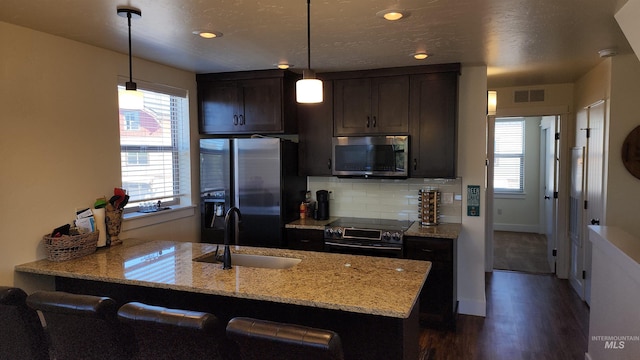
309	34
130	56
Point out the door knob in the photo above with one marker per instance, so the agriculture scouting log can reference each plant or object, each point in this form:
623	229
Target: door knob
546	197
595	221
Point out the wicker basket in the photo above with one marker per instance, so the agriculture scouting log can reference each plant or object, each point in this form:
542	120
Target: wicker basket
70	247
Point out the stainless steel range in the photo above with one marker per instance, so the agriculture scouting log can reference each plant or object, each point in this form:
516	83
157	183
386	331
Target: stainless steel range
363	236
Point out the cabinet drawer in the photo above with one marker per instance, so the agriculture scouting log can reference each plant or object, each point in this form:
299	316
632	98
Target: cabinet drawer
304	239
430	249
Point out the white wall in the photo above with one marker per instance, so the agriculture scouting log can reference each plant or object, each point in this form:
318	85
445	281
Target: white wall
622	204
60	144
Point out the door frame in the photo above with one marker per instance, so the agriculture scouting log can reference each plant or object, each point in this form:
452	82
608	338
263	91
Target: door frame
562	241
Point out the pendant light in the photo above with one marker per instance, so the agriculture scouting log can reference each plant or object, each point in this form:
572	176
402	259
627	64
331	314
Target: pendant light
309	89
130	98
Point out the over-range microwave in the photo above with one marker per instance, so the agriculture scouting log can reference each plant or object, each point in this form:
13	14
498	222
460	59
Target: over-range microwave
370	156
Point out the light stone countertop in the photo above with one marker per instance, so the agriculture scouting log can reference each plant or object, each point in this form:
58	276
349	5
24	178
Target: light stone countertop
361	284
443	231
310	224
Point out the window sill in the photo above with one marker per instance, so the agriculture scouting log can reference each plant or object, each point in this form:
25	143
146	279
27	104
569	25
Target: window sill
135	220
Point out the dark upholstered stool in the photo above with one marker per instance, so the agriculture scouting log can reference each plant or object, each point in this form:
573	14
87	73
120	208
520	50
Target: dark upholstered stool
82	326
21	334
266	340
163	333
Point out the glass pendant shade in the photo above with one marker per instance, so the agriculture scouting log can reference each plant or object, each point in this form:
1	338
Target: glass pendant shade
130	99
492	102
309	91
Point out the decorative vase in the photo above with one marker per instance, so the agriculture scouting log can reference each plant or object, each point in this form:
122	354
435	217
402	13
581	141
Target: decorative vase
114	223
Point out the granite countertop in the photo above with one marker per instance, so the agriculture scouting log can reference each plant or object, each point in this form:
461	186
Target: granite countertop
361	284
443	231
310	224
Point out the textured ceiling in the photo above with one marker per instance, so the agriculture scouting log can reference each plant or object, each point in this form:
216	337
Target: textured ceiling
522	42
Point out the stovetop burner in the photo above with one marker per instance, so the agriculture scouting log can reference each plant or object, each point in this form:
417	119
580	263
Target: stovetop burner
367	223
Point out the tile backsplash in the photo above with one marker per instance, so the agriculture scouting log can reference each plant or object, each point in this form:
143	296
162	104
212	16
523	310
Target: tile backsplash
386	198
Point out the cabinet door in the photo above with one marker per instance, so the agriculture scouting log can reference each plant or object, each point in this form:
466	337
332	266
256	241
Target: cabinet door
262	105
433	117
352	106
219	107
305	239
390	105
315	131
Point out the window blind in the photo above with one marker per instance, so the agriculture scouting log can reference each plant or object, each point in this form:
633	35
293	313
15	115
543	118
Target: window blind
153	146
509	155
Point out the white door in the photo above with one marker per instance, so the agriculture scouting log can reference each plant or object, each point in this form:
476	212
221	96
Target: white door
576	219
594	175
550	162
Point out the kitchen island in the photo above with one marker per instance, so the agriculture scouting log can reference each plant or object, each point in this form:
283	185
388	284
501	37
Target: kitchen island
371	302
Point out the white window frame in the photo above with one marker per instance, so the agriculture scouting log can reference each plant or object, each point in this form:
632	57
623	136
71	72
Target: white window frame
180	149
508	150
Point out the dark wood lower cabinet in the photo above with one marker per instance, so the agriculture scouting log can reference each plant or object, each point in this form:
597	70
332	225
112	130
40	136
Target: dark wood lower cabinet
305	239
438	299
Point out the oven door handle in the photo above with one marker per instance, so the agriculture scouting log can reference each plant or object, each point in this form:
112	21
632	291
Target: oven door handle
362	246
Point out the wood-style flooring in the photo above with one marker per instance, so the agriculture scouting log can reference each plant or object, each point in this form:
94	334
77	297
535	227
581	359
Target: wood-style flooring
529	316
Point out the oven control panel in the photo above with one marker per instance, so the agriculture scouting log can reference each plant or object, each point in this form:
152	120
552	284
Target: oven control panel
345	233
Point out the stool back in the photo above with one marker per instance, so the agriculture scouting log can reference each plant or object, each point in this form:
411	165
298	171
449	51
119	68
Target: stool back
21	334
267	340
163	333
82	326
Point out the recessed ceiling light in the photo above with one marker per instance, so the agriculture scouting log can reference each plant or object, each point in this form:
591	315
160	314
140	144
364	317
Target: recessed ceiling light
607	52
420	55
207	34
393	14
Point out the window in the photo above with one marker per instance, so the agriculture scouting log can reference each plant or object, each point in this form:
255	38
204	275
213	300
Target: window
154	147
508	174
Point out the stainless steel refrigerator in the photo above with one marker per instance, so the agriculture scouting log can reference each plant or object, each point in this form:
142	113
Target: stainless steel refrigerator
257	175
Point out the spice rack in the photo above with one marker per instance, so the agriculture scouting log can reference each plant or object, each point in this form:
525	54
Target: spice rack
429	203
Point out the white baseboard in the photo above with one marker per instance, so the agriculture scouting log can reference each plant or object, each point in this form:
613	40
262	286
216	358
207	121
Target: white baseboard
472	307
517	228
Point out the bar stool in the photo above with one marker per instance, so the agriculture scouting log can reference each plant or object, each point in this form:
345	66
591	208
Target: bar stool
163	333
267	340
82	326
21	334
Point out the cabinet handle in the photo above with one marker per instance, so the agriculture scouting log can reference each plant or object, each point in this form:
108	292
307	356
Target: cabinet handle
242	120
305	240
426	250
368	120
374	121
415	164
235	120
329	164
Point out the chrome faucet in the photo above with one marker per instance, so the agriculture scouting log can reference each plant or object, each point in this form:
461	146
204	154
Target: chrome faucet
226	257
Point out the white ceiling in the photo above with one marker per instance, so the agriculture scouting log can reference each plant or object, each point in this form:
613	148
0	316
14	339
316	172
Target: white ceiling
522	42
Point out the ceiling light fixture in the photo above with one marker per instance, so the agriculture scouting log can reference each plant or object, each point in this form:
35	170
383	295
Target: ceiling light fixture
309	89
130	98
283	66
207	34
393	14
604	53
420	55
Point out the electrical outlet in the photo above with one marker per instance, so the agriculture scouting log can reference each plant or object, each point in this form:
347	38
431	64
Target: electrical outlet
499	211
447	198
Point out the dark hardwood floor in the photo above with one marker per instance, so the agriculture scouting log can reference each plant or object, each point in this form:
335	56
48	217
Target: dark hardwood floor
529	316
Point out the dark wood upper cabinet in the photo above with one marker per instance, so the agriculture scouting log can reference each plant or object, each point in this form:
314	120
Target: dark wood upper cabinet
315	130
433	142
247	102
369	106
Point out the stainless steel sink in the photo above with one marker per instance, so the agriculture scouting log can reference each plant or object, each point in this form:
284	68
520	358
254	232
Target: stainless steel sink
258	261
